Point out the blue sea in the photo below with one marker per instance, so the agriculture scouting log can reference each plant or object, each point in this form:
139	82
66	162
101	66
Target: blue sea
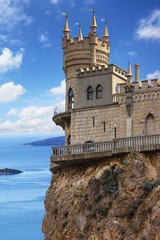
22	195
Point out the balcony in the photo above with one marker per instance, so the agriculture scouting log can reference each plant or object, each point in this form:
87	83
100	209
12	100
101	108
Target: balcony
61	115
77	154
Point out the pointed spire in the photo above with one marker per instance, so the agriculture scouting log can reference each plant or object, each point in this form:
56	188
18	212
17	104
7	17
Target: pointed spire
129	74
105	33
66	28
93	23
80	37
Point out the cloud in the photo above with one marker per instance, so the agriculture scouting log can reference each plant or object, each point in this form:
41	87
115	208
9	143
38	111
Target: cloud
9	92
12	112
43	38
54	1
32	120
149	27
12	14
9	61
59	90
132	53
154	75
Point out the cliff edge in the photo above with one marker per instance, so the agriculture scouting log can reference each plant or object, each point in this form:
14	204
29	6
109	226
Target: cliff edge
116	198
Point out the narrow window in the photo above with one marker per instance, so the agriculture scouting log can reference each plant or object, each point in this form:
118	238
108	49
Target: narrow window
115	132
69	139
99	92
104	126
70	99
89	93
93	121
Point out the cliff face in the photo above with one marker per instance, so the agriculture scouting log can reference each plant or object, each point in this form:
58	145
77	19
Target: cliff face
117	198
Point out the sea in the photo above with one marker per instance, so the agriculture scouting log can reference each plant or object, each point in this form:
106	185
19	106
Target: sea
22	195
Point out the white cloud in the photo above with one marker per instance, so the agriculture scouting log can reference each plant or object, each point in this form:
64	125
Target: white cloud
154	75
9	61
59	90
13	112
43	38
32	120
9	92
55	1
132	53
149	27
12	13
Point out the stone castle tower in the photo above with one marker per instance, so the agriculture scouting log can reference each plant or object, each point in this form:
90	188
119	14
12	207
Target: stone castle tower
83	53
102	102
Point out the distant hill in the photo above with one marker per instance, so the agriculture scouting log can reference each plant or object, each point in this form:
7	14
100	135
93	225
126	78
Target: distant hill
56	141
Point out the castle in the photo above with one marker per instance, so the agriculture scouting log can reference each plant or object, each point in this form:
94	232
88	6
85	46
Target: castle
105	112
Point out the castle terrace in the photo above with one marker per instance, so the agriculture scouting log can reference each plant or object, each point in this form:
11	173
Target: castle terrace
78	154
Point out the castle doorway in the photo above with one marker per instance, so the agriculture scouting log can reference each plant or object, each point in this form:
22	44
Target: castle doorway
150	126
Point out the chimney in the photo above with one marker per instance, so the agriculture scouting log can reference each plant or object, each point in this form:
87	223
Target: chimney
136	72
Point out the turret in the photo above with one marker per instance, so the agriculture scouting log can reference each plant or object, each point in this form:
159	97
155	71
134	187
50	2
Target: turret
93	24
80	38
105	33
93	39
66	29
129	75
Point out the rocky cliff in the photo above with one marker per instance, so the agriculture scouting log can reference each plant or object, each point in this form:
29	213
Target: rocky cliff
116	198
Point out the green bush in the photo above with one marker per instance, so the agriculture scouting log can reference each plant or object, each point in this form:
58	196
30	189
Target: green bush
147	187
102	210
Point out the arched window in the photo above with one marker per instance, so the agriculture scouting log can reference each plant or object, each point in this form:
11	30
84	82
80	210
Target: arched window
89	93
69	139
99	92
70	99
150	125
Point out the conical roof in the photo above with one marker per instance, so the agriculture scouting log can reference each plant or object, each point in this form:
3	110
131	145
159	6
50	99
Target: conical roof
93	23
129	72
66	26
80	37
105	33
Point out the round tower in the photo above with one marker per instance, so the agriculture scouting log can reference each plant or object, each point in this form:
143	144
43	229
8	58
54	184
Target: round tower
83	52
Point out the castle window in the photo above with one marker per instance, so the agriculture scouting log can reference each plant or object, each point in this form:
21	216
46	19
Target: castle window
71	99
115	132
99	92
69	139
89	93
104	126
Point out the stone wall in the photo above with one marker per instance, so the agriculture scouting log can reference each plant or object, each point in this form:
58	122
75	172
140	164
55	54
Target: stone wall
114	116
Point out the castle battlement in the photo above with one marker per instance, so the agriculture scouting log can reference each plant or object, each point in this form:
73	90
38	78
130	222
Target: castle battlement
143	86
111	69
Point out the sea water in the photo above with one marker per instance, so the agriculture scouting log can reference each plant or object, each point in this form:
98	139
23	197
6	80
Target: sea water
22	195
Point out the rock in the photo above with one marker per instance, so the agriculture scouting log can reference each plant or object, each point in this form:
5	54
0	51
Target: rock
103	202
80	221
9	171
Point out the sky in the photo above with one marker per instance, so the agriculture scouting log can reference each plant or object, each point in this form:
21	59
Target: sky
32	81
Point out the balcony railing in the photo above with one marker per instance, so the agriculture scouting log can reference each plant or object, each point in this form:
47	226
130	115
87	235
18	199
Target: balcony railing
59	109
115	98
121	145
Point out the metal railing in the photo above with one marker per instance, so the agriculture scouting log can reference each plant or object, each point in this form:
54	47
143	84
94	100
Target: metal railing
115	98
118	145
62	108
